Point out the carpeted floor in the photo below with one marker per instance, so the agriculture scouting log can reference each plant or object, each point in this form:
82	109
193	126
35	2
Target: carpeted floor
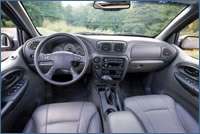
132	85
72	93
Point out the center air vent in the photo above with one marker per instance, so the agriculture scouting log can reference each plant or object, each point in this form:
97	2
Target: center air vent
119	47
33	45
111	46
106	47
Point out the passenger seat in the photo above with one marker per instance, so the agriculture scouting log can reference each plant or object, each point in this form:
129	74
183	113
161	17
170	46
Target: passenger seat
152	114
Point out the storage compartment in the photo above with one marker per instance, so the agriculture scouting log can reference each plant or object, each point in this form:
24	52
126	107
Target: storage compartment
145	65
110	110
124	122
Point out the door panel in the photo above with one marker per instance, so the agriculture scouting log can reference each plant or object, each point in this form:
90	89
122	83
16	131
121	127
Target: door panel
13	86
188	77
167	81
22	91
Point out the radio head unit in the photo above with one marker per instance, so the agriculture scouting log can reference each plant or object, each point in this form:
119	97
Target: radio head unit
113	67
113	63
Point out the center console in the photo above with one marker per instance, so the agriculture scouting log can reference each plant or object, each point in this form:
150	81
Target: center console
110	68
110	100
109	71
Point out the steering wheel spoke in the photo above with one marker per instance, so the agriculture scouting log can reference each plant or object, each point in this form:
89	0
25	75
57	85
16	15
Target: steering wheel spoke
45	57
73	73
79	58
51	72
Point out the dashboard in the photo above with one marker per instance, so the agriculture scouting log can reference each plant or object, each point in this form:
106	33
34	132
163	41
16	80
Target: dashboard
112	56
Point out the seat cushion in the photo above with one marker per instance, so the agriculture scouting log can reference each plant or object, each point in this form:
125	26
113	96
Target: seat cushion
158	114
74	117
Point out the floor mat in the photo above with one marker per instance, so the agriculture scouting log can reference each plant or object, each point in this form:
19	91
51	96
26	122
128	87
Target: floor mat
72	93
132	85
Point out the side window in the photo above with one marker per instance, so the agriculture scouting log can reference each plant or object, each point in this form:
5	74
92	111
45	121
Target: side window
189	39
8	35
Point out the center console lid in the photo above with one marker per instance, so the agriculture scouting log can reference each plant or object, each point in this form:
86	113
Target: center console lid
124	122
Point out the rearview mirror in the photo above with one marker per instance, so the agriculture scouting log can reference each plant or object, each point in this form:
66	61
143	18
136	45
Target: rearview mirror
6	41
112	5
189	42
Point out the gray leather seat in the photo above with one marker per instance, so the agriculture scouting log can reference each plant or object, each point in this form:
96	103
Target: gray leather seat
74	117
152	114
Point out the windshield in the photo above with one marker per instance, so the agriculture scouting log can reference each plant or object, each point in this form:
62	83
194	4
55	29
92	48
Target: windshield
142	18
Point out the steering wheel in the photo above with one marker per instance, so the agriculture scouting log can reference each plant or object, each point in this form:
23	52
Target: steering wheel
60	59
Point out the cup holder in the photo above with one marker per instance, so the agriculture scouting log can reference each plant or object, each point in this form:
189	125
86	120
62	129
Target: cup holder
110	110
101	89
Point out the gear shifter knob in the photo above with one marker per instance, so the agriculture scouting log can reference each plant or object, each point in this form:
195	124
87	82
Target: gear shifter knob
106	77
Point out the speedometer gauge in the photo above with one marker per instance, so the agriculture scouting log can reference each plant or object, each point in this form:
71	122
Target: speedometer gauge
69	47
80	50
58	48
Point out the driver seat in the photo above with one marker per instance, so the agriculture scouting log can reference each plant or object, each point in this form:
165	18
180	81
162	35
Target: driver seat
73	117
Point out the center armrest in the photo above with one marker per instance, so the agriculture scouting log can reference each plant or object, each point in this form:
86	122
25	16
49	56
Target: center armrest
124	122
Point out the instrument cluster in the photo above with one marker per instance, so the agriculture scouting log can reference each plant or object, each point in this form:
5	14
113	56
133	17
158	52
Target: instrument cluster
70	47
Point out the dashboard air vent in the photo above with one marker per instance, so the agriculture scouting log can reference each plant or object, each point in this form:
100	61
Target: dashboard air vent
106	47
33	45
119	47
166	52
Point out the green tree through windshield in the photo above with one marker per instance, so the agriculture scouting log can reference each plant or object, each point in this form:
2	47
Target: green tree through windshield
147	19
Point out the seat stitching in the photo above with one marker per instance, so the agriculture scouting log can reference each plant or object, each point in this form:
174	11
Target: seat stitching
144	114
80	116
35	124
155	110
61	122
181	114
44	120
47	111
171	114
137	118
168	108
91	120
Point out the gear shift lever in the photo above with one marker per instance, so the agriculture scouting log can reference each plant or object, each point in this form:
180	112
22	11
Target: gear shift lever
108	94
106	78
